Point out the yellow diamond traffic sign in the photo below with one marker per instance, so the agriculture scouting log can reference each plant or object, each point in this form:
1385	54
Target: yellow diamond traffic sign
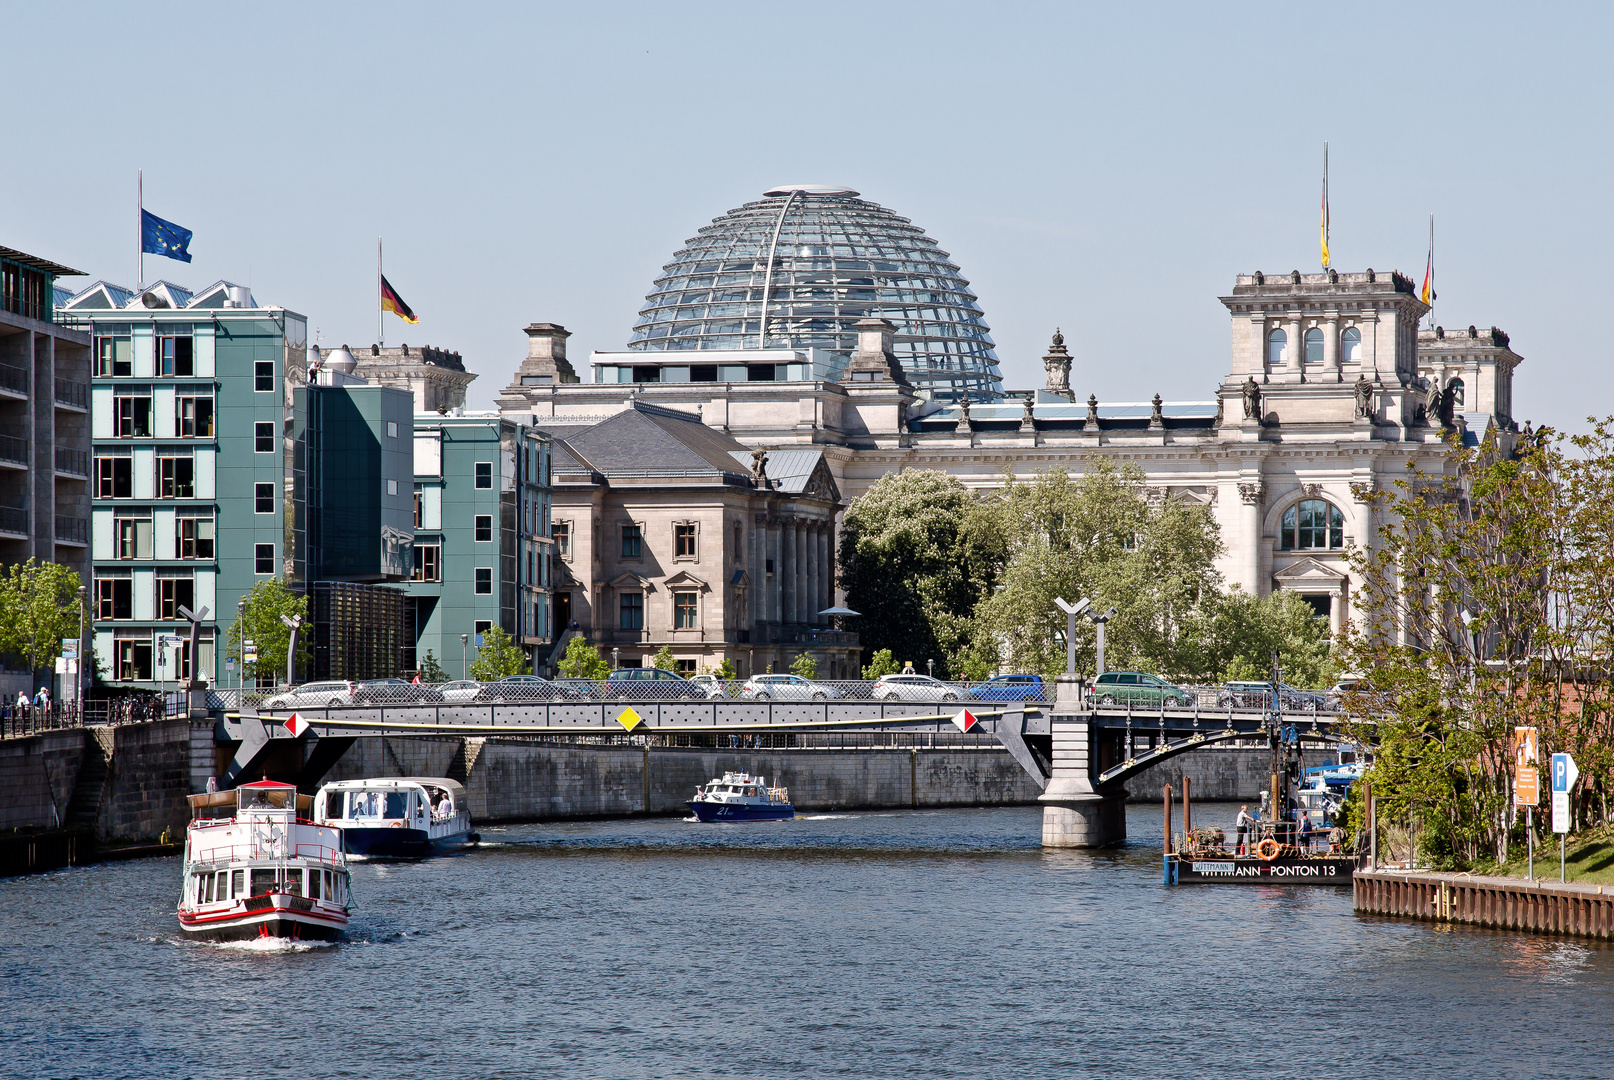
629	719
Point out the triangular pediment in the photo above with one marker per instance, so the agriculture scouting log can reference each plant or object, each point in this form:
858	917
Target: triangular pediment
685	580
1309	570
630	581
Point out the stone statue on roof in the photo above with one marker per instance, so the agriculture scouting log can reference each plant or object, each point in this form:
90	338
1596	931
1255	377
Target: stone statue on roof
1364	397
759	465
1252	399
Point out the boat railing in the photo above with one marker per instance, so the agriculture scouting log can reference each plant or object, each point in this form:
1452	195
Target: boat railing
264	852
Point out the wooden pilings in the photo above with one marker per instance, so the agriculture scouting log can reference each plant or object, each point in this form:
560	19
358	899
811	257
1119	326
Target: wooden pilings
1543	907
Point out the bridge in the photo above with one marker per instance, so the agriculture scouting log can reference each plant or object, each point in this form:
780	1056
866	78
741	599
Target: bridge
1080	753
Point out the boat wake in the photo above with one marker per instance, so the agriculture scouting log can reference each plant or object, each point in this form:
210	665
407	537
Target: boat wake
270	946
822	817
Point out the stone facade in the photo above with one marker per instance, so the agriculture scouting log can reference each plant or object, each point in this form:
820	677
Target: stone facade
436	377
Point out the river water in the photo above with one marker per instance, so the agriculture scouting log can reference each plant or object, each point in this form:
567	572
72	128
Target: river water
906	944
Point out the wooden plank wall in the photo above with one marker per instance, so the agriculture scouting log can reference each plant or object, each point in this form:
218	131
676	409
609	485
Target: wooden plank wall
1543	907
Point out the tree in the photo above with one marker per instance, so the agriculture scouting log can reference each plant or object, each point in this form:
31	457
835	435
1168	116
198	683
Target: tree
430	670
39	606
664	659
259	622
1100	535
1232	636
582	661
497	657
724	670
907	564
882	663
805	666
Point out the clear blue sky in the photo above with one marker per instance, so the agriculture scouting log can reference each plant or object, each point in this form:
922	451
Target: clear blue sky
1107	169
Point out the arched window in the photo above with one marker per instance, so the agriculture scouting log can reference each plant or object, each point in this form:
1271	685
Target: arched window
1456	388
1275	345
1350	346
1314	346
1311	525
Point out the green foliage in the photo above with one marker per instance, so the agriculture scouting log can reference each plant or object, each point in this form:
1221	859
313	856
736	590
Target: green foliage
260	622
805	666
664	659
39	606
430	670
915	560
582	661
1097	535
498	656
881	663
1231	637
726	670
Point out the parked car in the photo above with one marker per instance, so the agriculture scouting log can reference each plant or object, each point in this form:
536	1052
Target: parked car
913	688
786	688
1258	695
714	687
1139	688
395	692
517	689
577	689
1010	688
1355	692
651	684
314	695
460	690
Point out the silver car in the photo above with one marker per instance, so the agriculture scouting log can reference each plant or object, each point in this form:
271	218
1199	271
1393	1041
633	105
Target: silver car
314	695
713	686
786	688
460	690
913	688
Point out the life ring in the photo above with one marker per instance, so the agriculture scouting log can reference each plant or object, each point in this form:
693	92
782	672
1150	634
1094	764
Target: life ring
397	824
1267	850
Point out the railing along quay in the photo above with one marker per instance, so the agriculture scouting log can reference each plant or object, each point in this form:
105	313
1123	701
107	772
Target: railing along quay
1542	907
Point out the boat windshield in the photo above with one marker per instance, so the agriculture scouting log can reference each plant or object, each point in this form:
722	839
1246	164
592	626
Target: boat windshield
378	804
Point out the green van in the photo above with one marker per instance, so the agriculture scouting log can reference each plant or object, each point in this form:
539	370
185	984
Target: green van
1139	688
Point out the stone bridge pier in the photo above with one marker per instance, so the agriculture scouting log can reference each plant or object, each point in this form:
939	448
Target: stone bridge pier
1076	812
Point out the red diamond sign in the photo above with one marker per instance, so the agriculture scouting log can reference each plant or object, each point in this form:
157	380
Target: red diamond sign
296	725
965	720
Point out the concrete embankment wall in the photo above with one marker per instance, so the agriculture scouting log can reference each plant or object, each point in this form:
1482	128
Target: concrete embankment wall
37	776
510	780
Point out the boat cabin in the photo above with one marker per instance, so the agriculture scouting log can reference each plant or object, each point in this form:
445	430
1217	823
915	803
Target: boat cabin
256	840
413	801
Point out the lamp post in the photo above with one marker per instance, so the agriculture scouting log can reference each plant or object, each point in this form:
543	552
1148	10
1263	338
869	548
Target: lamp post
295	622
465	670
1071	611
78	669
241	642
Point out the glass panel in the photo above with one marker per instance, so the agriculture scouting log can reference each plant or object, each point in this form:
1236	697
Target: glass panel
1314	346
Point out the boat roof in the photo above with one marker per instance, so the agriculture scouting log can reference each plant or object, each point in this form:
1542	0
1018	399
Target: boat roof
208	800
453	787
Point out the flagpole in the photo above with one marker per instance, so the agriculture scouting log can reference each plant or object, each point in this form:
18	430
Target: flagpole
380	333
1431	271
140	227
1325	205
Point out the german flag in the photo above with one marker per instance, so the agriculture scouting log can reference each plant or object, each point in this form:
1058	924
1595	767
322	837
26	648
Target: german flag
391	301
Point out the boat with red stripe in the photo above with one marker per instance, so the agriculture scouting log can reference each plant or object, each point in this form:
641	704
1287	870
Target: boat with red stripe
256	867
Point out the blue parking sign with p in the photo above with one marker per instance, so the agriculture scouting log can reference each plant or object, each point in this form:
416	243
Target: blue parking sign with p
1564	772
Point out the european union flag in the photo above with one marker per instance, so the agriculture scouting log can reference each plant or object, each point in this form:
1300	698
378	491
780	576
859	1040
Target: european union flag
159	237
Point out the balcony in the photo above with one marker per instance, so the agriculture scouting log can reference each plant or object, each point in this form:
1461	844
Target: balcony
72	530
70	462
13	381
72	395
13	452
14	521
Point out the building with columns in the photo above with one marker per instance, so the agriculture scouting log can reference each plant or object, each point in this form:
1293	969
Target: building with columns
669	533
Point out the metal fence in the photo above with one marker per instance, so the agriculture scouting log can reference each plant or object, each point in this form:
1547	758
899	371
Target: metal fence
134	708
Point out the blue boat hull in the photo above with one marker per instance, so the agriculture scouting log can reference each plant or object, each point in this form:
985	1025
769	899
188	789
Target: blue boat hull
399	843
709	811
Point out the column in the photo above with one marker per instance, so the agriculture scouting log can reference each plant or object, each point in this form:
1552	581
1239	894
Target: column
798	540
1075	813
1250	493
1296	352
787	571
815	575
1331	347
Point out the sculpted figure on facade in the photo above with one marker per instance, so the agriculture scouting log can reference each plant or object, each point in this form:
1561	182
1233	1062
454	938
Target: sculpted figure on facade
1092	413
1364	398
1252	399
1028	420
1157	418
1057	365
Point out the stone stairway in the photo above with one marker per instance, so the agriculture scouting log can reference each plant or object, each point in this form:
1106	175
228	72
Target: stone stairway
84	808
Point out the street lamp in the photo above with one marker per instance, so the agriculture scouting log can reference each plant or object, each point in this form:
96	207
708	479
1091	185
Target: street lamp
1071	611
78	663
295	622
465	670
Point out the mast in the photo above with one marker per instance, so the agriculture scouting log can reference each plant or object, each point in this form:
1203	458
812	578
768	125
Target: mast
1431	271
140	228
380	330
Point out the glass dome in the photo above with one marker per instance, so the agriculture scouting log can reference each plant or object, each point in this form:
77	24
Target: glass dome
824	259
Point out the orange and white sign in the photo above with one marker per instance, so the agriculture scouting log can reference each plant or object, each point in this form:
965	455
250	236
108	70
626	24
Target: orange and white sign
1526	747
965	720
296	725
1527	785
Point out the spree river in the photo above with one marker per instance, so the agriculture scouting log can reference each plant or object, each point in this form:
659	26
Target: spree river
904	944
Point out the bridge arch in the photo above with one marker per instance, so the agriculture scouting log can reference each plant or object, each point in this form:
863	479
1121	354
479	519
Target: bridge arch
1126	770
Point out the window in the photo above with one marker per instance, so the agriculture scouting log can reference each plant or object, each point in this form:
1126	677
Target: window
484	474
1312	524
263	558
193	538
478	628
392	429
484	528
484	581
1314	346
263	437
114	598
738	542
114	356
420	510
392	487
562	532
686	615
174	593
114	478
686	668
132	537
131	659
1350	346
1455	389
263	498
131	417
174	355
684	541
263	377
428	563
630	611
632	542
176	478
193	417
1275	345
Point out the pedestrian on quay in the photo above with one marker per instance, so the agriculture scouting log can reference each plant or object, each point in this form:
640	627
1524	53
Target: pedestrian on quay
1305	831
22	704
1244	822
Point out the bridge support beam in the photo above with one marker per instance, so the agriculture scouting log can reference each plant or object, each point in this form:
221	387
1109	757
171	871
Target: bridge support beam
1075	812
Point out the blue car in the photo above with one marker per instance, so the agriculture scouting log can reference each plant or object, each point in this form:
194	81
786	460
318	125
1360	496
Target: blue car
1011	688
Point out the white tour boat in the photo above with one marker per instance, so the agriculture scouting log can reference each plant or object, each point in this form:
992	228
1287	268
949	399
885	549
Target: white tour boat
740	796
255	869
401	817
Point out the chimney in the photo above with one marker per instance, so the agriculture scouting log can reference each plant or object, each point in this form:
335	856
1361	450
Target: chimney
546	362
875	361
